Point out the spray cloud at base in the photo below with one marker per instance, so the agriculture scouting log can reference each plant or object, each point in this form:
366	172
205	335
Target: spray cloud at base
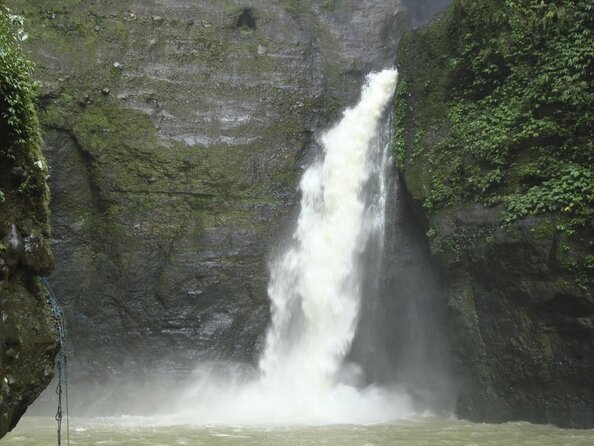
316	291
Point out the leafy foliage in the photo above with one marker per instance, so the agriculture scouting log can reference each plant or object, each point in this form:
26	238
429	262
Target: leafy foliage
23	189
519	89
17	90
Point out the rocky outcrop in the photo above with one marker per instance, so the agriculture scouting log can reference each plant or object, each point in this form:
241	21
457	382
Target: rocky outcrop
520	323
400	339
28	346
176	132
28	335
520	294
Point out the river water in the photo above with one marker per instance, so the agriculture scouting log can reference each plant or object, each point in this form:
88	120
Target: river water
425	431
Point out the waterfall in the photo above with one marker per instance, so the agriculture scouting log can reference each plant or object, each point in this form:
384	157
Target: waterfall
315	286
316	291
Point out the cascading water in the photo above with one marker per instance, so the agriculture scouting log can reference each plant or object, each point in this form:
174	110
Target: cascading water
315	286
316	290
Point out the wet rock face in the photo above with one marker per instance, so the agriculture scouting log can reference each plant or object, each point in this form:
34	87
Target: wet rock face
13	251
520	307
28	345
422	11
28	336
37	256
400	338
177	132
32	253
520	322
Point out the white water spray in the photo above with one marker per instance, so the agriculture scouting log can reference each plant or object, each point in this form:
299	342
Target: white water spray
315	291
315	286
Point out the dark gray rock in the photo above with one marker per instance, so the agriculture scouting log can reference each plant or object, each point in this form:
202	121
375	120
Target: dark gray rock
13	250
521	324
28	336
175	179
28	346
401	338
37	255
520	302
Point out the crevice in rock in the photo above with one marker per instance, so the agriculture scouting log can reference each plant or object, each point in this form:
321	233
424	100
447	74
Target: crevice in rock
407	325
246	21
569	305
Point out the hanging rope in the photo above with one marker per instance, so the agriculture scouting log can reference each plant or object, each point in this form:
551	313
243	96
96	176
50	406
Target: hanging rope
62	366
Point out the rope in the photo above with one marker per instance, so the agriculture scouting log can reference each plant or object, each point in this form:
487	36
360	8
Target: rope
62	366
59	412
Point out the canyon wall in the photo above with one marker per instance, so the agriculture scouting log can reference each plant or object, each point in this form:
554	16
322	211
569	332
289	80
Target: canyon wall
494	137
176	133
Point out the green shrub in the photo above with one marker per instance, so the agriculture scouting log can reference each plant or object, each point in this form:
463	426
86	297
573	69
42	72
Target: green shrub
518	87
24	197
17	90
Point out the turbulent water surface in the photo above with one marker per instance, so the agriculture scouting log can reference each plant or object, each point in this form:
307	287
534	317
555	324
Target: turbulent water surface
154	432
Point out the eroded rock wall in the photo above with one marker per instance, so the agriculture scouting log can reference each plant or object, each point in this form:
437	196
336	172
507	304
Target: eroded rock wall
520	295
176	132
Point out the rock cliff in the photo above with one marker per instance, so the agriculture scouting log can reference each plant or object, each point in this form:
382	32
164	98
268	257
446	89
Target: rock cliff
494	137
176	132
28	336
